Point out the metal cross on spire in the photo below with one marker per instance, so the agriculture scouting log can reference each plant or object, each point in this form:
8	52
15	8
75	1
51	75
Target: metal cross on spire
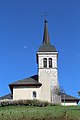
45	16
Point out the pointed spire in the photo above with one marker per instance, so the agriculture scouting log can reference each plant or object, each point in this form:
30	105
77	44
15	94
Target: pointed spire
46	46
46	35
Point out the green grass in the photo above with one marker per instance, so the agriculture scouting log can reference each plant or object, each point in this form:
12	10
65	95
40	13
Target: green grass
39	113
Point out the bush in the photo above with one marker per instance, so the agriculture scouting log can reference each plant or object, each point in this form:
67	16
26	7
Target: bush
25	103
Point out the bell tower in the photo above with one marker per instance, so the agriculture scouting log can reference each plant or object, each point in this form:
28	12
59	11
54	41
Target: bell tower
47	57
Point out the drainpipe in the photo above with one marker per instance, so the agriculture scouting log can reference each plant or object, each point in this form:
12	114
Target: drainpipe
64	99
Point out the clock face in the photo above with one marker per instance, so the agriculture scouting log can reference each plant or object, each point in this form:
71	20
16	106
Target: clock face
48	71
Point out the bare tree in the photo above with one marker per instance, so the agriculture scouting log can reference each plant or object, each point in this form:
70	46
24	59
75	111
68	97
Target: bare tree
59	90
56	94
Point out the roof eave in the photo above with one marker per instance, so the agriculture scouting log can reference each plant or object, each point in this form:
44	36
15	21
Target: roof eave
15	85
70	99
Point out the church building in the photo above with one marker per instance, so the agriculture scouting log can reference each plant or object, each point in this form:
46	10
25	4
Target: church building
40	86
43	85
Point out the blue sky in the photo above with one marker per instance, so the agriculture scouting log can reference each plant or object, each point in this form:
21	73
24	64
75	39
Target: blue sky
22	24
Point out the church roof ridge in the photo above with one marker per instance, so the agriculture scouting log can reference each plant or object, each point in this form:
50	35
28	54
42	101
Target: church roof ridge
31	78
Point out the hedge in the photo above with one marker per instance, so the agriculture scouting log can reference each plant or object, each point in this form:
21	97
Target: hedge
25	103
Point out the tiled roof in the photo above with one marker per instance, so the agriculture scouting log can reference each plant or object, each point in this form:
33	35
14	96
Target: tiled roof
8	96
31	81
47	48
68	97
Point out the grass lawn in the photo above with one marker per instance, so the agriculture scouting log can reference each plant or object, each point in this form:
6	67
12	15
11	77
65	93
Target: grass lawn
39	113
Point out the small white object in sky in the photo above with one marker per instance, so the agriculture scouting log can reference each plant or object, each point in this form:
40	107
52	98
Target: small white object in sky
25	46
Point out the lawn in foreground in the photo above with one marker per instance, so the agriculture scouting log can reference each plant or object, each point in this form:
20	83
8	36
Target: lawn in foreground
39	113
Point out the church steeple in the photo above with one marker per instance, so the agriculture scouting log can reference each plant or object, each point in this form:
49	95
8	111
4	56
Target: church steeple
47	67
46	35
46	46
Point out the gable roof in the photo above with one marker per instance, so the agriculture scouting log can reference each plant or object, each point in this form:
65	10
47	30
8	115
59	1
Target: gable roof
31	81
67	97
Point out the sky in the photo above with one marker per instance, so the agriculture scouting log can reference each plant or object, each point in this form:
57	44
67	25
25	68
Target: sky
21	34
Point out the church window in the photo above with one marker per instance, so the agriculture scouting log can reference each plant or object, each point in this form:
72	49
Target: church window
50	62
45	62
34	94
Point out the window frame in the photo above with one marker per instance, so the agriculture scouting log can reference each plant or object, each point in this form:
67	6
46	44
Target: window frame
50	62
45	62
34	94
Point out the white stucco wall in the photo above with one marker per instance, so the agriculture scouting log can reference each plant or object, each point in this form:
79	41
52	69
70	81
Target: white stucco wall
25	93
70	103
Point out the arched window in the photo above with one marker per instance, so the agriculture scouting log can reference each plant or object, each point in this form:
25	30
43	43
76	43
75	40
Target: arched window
34	94
50	62
45	62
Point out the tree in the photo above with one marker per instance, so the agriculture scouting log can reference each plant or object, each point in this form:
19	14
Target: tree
79	93
59	90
